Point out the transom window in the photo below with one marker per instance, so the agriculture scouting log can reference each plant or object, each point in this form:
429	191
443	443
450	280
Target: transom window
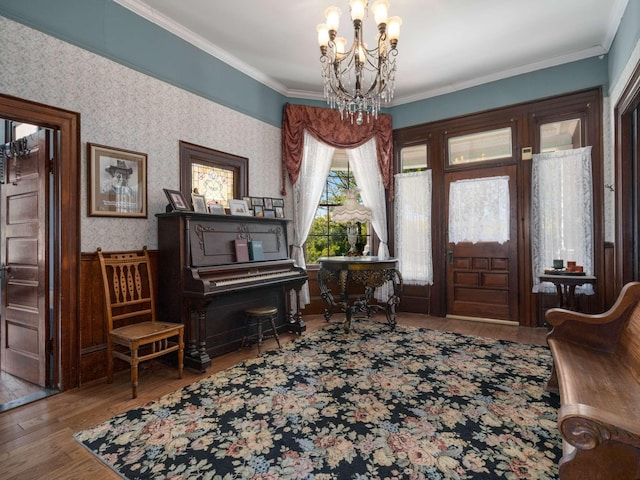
480	147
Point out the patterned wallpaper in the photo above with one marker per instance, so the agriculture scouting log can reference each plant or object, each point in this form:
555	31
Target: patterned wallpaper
126	109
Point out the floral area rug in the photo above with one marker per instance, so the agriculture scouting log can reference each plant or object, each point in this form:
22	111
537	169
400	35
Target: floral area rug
372	404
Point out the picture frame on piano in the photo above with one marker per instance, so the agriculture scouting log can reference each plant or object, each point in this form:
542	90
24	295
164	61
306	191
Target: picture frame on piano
199	203
216	209
177	200
239	207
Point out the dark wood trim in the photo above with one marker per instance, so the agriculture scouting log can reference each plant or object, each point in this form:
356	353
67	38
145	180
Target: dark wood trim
587	104
66	227
626	192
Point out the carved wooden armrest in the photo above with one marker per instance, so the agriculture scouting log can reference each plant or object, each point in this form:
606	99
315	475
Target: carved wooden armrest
586	427
598	331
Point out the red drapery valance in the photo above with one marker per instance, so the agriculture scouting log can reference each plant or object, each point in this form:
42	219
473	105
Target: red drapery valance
325	125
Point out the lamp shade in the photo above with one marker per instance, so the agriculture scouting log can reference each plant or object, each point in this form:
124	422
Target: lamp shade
351	211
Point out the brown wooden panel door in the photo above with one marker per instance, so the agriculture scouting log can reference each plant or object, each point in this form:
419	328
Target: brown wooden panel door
482	277
23	239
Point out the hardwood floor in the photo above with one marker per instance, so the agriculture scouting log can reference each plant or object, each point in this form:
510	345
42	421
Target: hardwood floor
36	440
15	392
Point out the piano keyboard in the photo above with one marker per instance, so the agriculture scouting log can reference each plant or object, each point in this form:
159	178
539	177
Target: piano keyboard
254	278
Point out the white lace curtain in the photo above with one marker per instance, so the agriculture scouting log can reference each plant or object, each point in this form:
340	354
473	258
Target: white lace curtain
479	210
316	163
413	227
561	213
362	161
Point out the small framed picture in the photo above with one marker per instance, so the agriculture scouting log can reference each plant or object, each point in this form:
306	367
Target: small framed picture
176	199
258	211
257	201
239	207
277	202
270	213
279	212
216	209
268	203
199	203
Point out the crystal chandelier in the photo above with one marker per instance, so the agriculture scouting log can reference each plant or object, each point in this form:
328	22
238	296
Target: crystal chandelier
358	80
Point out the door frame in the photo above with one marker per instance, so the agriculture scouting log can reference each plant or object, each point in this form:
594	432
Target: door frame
487	170
586	103
66	231
627	195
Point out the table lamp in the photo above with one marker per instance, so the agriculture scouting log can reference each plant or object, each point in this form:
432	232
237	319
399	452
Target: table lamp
351	212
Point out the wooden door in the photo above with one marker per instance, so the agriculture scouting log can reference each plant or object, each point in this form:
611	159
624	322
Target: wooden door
482	277
24	253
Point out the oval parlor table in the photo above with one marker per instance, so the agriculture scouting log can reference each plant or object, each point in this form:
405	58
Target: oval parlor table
367	272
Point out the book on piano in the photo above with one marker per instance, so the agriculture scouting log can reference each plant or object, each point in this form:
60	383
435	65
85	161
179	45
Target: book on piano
255	250
242	250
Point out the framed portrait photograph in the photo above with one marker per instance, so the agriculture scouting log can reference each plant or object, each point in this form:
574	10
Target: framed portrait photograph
268	203
176	199
269	213
199	203
258	211
279	212
239	207
277	202
257	201
216	209
117	182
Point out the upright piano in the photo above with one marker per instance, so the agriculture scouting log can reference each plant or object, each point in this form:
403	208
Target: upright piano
202	283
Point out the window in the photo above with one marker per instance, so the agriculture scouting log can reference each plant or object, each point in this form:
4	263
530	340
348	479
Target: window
218	176
480	147
413	159
563	135
327	238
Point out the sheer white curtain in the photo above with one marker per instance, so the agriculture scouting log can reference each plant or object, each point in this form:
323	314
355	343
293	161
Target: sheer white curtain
561	213
479	210
316	163
413	227
363	162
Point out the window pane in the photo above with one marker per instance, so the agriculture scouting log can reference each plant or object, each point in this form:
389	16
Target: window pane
216	184
480	147
413	159
21	130
564	135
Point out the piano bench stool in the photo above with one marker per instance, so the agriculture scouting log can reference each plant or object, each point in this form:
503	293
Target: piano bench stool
257	316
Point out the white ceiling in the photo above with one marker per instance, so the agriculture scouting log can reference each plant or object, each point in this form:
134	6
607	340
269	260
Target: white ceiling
445	45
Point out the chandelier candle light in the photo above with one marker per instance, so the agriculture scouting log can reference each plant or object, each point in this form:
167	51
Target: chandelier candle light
357	81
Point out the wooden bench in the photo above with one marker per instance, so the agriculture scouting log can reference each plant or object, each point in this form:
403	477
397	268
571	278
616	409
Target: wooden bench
596	371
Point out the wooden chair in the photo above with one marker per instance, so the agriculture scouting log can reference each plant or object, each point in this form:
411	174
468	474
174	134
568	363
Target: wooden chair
134	335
